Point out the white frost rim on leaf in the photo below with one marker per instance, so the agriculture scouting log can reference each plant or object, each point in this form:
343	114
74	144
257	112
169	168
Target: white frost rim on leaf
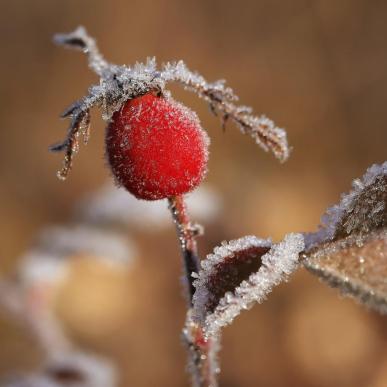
330	220
277	264
208	265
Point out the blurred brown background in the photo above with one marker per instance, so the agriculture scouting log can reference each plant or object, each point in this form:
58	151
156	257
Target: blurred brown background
318	68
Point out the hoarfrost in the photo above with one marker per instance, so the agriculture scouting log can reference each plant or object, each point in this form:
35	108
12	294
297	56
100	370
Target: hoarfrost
121	83
256	264
357	266
361	210
350	251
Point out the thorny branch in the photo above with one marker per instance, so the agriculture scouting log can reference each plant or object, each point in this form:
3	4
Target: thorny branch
121	83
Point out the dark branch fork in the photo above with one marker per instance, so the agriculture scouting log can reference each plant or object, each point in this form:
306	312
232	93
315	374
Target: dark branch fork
121	83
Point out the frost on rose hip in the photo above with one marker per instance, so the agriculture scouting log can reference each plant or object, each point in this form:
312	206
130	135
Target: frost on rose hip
156	147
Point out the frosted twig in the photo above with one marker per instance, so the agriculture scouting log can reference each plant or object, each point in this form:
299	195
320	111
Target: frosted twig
186	234
80	40
202	352
118	84
80	124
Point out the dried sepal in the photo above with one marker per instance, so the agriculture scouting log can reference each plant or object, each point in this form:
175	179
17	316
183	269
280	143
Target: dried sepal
350	249
238	274
80	40
118	84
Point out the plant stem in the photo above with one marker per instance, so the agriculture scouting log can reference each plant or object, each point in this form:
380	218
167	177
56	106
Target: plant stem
186	235
201	351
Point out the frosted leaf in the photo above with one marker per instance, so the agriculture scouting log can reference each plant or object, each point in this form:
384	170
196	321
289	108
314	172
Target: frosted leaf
47	261
240	273
113	206
118	84
360	211
350	250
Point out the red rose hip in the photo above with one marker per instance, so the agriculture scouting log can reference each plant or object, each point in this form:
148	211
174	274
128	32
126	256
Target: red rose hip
156	147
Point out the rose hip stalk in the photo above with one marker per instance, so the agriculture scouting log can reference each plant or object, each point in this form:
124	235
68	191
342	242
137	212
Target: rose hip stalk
157	149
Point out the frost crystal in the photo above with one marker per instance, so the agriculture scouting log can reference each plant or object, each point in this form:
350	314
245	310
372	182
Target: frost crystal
350	251
253	266
112	205
118	84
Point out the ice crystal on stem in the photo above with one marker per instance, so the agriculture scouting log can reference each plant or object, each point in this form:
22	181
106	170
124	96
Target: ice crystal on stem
238	274
350	249
119	84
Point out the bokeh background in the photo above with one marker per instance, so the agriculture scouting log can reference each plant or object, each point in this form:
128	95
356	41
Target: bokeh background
318	68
